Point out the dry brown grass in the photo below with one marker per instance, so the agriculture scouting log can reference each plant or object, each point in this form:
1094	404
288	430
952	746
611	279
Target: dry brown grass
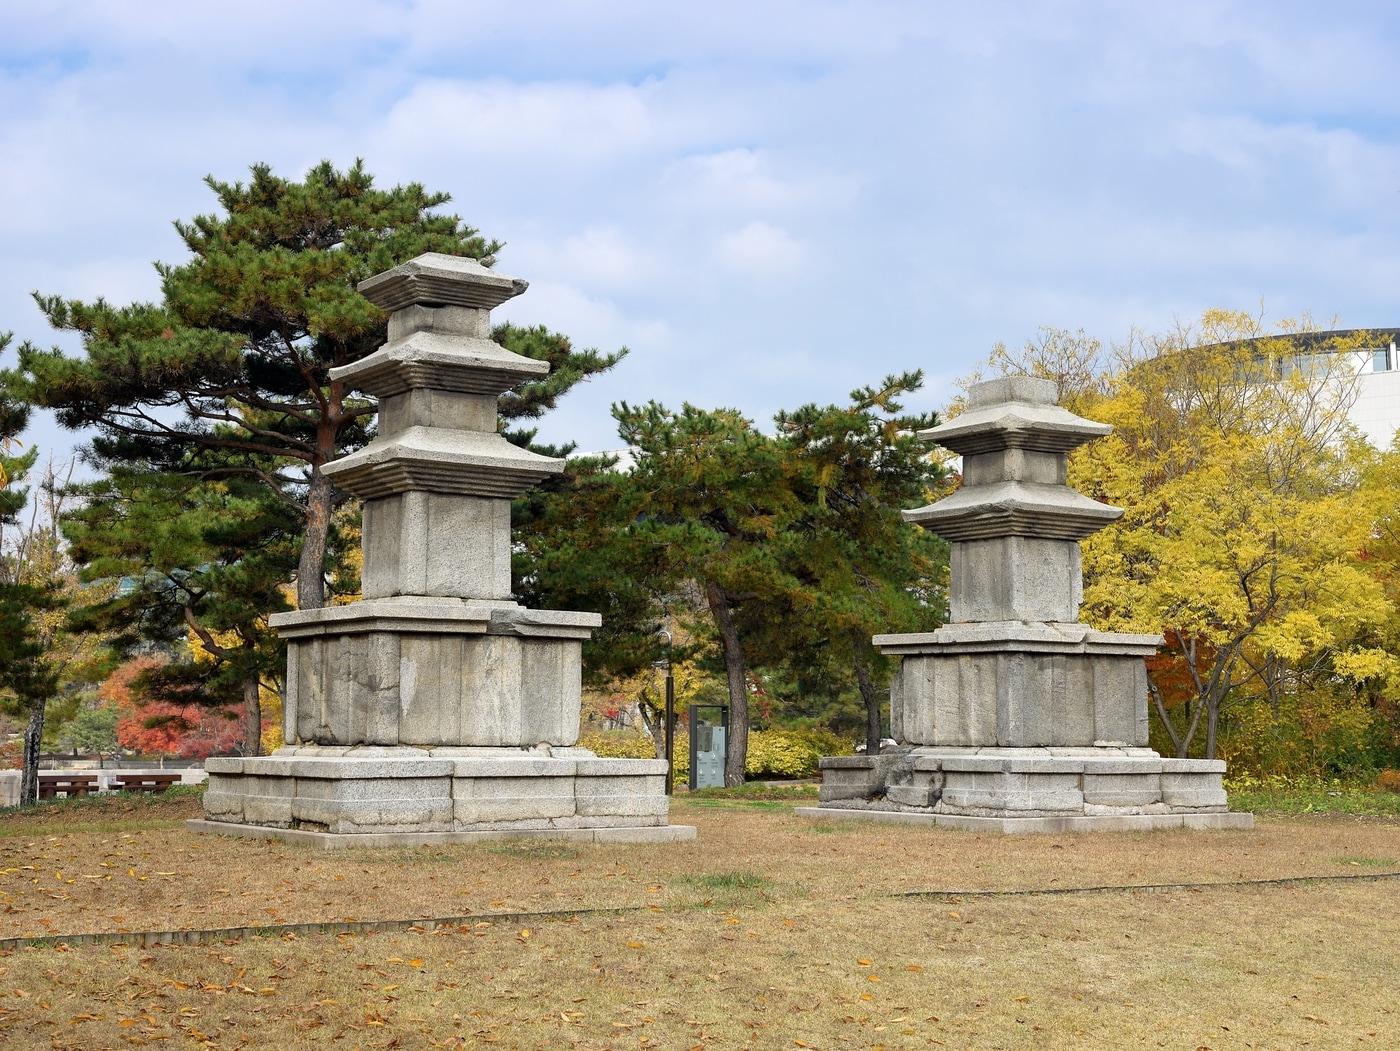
767	932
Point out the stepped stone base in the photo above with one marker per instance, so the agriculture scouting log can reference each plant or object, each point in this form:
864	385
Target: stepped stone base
1028	789
368	791
1013	825
371	840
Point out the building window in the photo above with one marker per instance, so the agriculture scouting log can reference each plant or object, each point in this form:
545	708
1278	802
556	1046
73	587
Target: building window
1308	365
1383	359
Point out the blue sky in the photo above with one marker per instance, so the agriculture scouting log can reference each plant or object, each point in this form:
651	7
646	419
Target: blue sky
769	203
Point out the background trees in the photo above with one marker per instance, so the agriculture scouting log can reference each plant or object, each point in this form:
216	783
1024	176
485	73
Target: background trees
1254	538
714	508
27	678
43	659
861	568
773	557
202	565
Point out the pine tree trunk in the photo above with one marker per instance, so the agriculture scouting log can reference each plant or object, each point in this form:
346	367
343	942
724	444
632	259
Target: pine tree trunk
737	743
311	569
33	738
252	703
873	735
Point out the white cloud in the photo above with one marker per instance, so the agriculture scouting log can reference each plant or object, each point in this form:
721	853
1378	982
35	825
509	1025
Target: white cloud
743	178
761	249
587	320
690	180
1349	168
596	258
561	124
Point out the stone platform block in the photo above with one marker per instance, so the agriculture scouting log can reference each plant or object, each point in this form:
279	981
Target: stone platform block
614	788
1020	700
854	776
994	789
266	800
429	690
491	791
381	794
1024	782
1196	783
1129	782
923	789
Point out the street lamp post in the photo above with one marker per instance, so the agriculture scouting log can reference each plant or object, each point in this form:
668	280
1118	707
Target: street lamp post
670	717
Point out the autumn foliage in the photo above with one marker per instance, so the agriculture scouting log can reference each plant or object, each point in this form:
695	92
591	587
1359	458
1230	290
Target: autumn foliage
1259	538
160	727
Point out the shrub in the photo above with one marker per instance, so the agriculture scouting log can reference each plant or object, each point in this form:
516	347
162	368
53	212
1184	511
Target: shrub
782	754
618	744
1320	734
773	754
1389	780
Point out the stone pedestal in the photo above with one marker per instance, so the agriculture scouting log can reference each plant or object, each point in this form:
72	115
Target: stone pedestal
1014	716
436	709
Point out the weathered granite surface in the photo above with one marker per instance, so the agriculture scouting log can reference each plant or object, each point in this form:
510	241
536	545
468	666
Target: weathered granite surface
1015	716
400	792
436	705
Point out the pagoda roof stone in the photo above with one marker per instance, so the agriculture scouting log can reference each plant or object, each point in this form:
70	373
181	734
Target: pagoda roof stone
1015	425
1014	508
439	460
435	279
440	361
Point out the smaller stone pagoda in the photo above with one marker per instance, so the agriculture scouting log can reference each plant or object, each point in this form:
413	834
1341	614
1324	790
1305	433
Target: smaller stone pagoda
436	709
1014	716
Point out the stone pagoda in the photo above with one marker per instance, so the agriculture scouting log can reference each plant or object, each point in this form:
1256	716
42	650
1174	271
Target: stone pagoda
436	709
1014	716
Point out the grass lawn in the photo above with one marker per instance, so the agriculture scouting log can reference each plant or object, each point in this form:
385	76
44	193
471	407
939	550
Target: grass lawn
767	932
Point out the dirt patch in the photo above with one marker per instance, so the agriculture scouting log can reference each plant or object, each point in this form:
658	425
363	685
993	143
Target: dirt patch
1233	968
768	931
109	869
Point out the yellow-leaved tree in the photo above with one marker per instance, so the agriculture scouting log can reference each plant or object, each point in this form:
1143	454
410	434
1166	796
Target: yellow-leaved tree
1249	534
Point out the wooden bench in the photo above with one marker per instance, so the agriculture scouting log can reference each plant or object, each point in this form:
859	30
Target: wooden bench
151	783
71	786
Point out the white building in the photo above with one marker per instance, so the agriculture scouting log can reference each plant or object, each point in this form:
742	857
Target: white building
1376	410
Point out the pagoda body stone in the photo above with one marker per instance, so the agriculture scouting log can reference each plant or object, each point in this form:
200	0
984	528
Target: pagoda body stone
436	708
1014	716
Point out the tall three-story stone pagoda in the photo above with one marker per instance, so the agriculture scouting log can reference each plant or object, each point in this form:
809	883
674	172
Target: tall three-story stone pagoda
1015	716
436	708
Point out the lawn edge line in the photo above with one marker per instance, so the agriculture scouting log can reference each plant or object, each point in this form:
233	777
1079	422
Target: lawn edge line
1108	888
201	936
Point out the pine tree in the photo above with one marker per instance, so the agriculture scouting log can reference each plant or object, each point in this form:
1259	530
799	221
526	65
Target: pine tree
228	375
28	678
862	569
582	542
713	506
206	561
